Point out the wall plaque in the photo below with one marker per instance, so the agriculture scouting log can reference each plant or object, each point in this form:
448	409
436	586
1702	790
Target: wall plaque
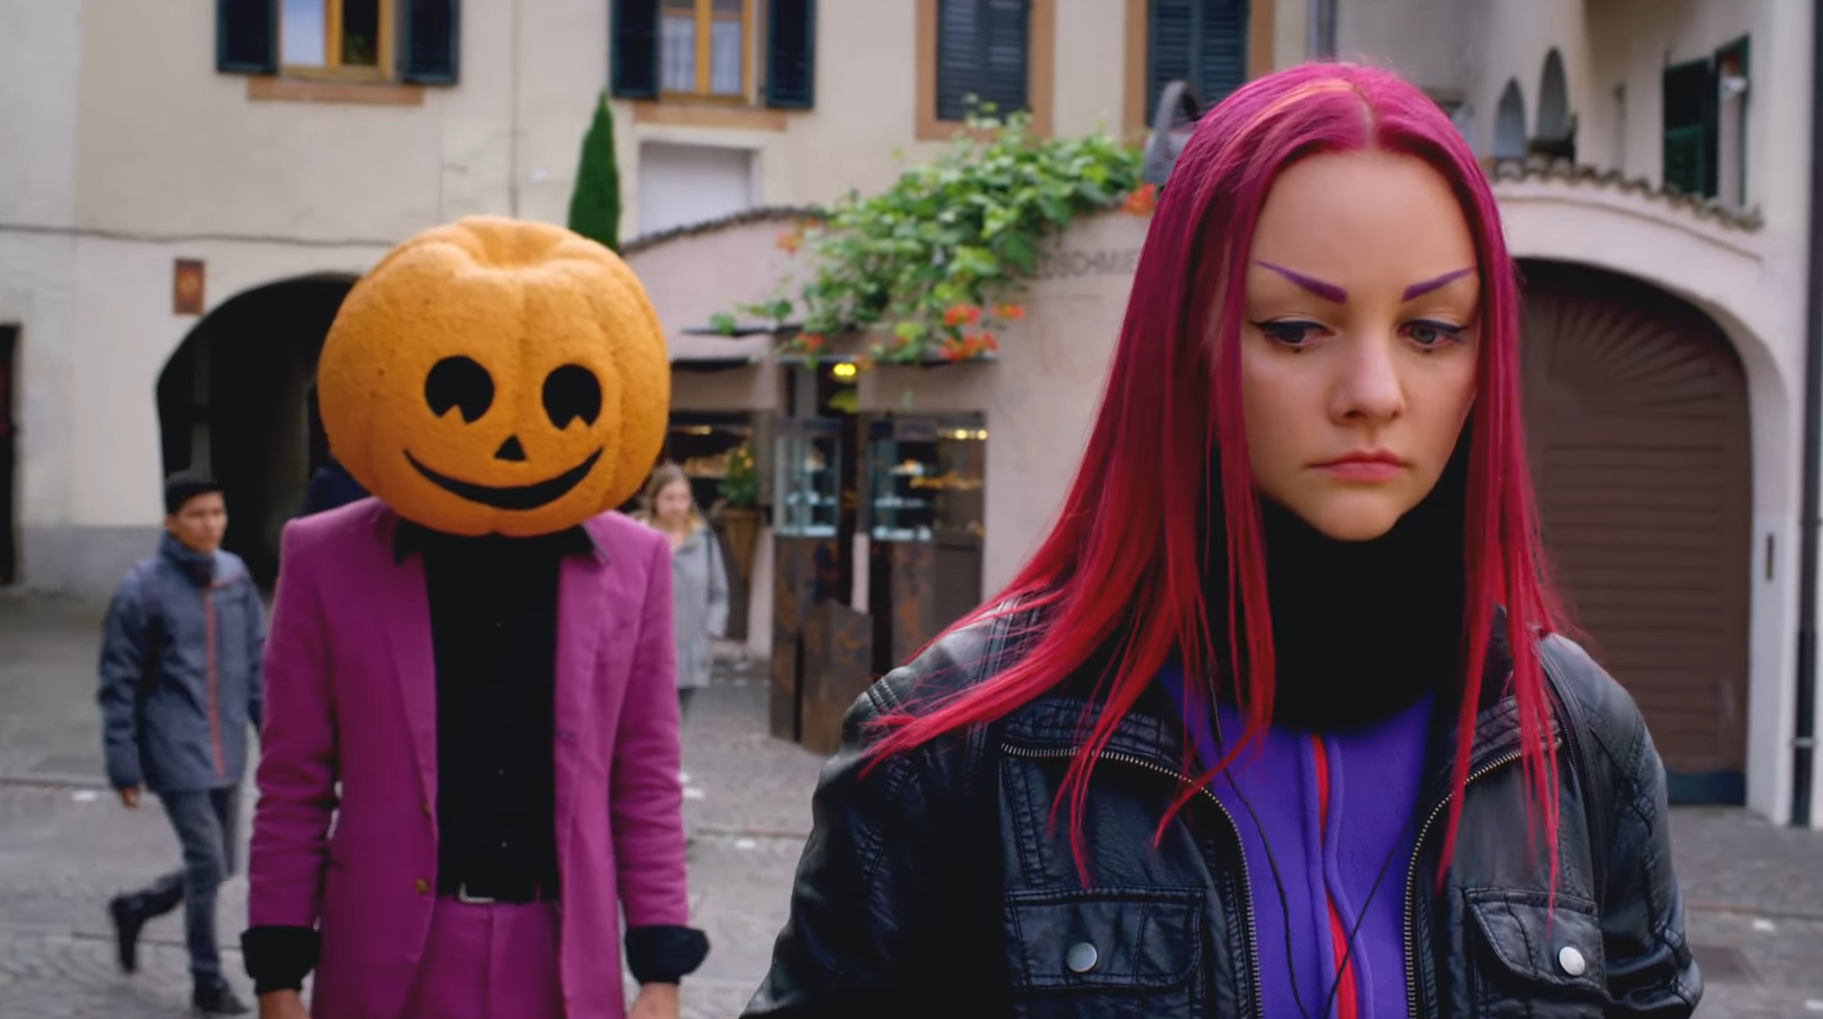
187	287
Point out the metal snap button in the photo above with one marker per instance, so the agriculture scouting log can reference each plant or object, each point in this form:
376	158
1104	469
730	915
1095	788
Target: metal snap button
1572	961
1081	957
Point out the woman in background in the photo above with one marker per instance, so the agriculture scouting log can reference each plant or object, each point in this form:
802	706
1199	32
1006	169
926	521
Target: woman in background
699	580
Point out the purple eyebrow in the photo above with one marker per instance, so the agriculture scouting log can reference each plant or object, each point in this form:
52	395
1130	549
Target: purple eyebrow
1327	291
1417	290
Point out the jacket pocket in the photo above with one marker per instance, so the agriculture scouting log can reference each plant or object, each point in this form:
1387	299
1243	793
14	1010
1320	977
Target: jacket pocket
1105	954
1531	958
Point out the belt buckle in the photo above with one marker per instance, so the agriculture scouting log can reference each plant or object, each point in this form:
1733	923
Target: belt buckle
464	897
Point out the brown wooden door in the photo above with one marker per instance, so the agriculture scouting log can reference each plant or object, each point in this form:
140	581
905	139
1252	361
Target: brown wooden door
9	389
1637	428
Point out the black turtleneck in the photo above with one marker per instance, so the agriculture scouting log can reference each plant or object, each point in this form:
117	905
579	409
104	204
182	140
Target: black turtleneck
1362	629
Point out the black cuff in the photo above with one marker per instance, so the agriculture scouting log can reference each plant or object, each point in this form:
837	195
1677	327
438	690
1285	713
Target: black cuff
278	958
665	955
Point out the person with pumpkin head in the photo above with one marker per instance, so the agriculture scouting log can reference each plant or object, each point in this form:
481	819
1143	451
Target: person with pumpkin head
471	673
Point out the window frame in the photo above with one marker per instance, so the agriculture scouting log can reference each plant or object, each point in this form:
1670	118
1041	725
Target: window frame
1138	70
1740	51
385	68
1040	70
705	71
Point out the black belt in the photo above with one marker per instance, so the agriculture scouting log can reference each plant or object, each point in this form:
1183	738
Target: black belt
507	890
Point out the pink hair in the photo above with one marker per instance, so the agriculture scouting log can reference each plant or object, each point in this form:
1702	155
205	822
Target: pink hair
1122	559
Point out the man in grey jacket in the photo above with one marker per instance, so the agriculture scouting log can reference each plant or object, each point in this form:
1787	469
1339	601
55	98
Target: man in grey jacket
180	685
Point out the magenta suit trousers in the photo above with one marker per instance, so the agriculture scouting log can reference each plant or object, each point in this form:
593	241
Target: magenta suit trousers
495	961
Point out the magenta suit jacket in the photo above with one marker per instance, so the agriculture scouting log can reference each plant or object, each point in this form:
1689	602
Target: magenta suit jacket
351	699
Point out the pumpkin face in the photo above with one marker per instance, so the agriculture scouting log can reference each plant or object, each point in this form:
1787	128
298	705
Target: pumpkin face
494	376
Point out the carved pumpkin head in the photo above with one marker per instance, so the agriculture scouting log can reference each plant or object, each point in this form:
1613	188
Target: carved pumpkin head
494	376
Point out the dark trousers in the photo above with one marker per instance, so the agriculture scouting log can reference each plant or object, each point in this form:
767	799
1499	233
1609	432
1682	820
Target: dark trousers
206	823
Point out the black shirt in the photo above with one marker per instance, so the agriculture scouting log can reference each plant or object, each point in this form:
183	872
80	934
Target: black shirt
493	612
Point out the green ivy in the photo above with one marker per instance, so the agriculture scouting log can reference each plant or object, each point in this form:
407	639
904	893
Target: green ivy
925	267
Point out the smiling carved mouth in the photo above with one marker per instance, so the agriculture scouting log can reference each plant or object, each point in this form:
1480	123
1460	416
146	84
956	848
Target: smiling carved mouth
515	497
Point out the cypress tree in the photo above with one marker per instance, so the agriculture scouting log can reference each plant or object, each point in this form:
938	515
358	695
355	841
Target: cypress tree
595	204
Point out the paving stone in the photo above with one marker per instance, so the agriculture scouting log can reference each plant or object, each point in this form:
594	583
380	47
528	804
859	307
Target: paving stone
1754	892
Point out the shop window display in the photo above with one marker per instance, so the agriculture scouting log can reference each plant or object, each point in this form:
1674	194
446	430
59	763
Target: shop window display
808	486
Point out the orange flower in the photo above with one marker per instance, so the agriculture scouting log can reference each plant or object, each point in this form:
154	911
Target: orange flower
1142	200
789	240
1010	312
987	341
957	314
811	342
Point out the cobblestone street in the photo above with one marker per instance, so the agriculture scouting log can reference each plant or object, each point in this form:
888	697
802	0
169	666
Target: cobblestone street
1755	893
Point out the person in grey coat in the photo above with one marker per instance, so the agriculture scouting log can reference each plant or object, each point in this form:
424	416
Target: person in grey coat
180	686
699	579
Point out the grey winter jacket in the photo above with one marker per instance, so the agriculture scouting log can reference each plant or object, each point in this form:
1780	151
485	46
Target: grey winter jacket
185	728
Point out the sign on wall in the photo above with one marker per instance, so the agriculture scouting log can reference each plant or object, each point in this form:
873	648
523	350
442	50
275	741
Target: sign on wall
187	287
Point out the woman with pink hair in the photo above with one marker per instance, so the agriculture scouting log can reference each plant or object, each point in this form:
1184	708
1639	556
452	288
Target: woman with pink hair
1277	722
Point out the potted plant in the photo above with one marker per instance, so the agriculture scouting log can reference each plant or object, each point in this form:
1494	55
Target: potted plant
740	498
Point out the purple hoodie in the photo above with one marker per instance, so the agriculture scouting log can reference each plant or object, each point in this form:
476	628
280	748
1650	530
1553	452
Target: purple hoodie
1330	852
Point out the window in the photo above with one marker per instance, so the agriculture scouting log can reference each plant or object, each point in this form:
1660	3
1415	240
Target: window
1690	128
406	40
705	49
995	51
336	35
1203	42
982	53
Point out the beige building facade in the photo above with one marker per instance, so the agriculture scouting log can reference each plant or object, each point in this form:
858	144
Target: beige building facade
187	188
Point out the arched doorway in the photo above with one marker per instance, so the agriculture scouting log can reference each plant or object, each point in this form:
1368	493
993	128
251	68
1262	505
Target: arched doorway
1553	99
1638	434
1510	124
235	399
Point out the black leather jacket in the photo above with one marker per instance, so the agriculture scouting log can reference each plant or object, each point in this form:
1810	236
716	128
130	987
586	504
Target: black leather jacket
939	884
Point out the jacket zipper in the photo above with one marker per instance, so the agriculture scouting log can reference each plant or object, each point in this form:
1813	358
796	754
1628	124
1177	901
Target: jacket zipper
1253	931
1411	874
215	721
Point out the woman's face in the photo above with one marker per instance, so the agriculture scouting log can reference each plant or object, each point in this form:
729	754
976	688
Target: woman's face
673	502
1358	362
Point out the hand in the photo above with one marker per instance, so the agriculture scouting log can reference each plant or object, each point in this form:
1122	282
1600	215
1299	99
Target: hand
282	1005
655	1001
130	796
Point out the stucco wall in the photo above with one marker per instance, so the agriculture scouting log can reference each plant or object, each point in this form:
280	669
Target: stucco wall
1381	32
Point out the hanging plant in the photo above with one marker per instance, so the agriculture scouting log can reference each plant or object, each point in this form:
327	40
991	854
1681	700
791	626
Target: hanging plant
927	267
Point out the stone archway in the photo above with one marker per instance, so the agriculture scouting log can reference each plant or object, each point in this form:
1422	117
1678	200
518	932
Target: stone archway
1638	430
1510	123
234	399
1553	99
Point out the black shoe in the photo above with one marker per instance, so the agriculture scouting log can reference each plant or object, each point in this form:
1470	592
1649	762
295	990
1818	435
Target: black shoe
127	925
215	998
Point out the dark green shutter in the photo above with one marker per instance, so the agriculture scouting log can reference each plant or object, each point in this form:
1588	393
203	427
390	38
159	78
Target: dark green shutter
1221	50
1006	53
430	40
247	36
1170	49
1203	42
791	54
982	50
633	49
1690	117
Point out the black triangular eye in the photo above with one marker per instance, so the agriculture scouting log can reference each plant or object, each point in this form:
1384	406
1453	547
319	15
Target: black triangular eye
571	393
459	382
